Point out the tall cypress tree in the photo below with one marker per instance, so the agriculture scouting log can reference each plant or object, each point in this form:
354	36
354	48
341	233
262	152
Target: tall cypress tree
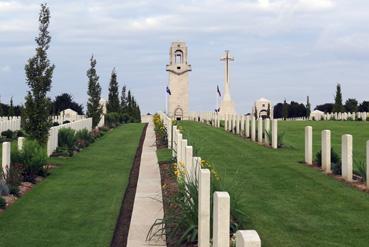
113	100
285	110
308	107
39	74
123	100
94	109
338	106
11	108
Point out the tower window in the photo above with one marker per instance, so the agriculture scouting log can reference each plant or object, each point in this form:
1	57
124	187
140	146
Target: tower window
179	67
178	57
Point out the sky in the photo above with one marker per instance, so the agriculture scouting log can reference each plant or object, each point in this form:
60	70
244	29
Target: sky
283	49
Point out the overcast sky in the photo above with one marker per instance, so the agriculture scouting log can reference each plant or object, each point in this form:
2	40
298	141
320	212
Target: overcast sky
282	48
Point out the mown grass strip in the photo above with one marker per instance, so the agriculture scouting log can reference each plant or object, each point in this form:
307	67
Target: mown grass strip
79	203
288	203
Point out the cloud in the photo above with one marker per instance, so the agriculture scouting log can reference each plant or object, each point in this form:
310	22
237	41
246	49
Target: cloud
5	68
276	44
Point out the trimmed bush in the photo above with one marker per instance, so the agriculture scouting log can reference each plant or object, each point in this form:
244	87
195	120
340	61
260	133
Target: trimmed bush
83	138
67	138
33	160
112	119
8	134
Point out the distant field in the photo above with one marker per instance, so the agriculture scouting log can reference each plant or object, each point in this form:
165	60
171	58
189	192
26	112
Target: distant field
288	203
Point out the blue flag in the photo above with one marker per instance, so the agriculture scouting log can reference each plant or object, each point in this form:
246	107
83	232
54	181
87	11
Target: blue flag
168	91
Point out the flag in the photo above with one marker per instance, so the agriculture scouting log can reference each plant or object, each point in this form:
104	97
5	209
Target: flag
168	91
220	95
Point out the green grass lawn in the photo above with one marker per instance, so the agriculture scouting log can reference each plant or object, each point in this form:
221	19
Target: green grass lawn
288	203
79	203
164	154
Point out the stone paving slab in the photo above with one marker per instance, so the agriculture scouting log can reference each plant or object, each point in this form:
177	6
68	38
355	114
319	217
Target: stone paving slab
148	204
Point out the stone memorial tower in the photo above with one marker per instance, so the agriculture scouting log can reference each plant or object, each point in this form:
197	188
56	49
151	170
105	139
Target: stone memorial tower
178	69
227	106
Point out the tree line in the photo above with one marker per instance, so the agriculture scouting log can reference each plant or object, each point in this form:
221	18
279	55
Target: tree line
295	110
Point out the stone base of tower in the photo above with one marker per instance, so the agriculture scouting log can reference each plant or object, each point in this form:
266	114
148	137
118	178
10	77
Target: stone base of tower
227	107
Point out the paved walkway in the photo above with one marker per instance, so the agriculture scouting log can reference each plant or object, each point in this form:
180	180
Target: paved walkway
148	204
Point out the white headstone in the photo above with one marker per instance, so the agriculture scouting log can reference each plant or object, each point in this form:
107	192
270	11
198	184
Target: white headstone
309	145
275	133
204	208
253	128
267	130
347	157
6	157
20	143
221	219
247	127
260	130
247	238
326	151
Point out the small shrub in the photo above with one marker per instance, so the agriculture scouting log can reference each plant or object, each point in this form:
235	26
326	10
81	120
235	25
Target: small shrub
280	138
14	175
112	119
160	131
2	203
67	138
14	190
19	133
83	138
335	161
360	169
8	134
33	159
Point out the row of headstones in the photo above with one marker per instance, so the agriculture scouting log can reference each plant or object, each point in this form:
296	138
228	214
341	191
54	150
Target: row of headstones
221	200
6	154
52	142
344	116
295	119
10	123
62	119
346	153
245	126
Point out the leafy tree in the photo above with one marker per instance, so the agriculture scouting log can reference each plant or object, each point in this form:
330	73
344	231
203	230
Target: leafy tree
94	109
11	108
326	108
338	107
351	105
308	107
65	101
39	74
285	110
278	111
123	100
364	107
113	101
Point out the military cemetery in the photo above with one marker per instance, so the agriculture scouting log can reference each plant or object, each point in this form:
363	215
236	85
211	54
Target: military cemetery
129	149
